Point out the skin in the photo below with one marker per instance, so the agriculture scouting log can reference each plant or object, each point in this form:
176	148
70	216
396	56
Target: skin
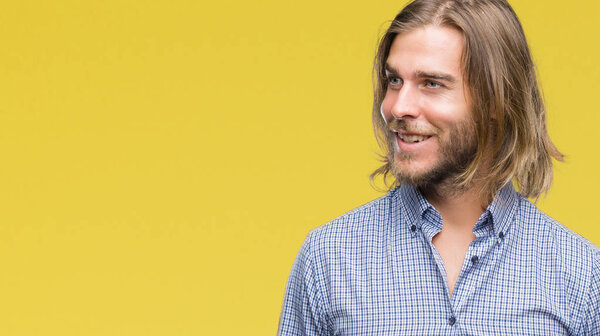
427	96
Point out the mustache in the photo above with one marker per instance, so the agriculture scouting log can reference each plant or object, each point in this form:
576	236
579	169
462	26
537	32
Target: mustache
397	125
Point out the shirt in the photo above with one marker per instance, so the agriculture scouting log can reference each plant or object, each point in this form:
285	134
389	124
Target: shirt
375	271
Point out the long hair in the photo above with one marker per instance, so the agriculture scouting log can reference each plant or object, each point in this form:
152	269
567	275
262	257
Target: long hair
500	76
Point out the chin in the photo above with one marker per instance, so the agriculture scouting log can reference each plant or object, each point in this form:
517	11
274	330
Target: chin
415	173
414	167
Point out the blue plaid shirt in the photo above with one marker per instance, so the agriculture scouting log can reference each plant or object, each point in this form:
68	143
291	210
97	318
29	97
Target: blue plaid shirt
375	271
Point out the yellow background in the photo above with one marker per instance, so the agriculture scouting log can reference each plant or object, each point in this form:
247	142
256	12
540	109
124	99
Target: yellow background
162	161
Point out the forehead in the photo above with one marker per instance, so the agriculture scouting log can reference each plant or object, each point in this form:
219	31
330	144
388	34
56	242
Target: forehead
431	48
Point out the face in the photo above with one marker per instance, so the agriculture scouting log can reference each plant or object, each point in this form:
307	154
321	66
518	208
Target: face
427	107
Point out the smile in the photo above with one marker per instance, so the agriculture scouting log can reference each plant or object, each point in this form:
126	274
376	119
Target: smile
412	138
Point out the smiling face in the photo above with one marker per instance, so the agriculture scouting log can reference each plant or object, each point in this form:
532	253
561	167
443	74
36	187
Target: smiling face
427	107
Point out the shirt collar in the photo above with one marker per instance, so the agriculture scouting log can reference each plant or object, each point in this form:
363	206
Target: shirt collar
503	209
413	207
412	204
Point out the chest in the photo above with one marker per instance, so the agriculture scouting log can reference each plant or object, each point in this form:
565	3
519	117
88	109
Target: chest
400	292
452	248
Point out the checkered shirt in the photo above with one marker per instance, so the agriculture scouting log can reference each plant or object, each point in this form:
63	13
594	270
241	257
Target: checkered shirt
375	271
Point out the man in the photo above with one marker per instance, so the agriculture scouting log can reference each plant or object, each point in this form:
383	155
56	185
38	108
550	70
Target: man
452	249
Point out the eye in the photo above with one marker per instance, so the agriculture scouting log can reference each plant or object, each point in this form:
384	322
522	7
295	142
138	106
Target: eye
394	81
432	85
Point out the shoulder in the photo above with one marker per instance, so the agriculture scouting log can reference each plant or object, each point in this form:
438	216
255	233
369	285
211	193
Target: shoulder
561	256
554	235
579	271
355	228
359	219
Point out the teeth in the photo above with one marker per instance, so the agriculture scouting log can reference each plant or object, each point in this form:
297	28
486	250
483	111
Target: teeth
412	138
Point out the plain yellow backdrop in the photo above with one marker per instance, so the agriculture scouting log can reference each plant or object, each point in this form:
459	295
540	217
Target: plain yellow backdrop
162	161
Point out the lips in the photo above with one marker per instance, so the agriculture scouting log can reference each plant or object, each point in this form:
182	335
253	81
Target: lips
411	142
413	138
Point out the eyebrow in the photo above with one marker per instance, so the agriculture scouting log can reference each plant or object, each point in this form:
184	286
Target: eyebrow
425	74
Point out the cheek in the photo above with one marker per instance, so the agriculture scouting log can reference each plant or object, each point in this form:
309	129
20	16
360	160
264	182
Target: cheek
385	110
450	107
443	115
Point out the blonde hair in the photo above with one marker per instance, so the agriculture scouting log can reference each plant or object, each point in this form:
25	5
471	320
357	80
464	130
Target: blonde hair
500	76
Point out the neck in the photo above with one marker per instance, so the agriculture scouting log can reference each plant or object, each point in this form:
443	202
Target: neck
460	210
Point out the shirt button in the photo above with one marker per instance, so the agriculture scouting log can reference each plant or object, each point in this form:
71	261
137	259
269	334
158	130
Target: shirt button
474	259
451	320
413	228
501	235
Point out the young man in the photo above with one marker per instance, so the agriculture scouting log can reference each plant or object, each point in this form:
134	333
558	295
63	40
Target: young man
452	248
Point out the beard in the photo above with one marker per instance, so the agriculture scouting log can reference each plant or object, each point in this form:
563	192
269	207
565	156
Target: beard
456	152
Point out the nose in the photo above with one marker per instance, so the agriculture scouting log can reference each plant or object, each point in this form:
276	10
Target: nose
403	102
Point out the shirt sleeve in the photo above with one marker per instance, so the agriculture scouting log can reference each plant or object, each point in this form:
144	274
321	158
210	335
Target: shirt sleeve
592	311
302	312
